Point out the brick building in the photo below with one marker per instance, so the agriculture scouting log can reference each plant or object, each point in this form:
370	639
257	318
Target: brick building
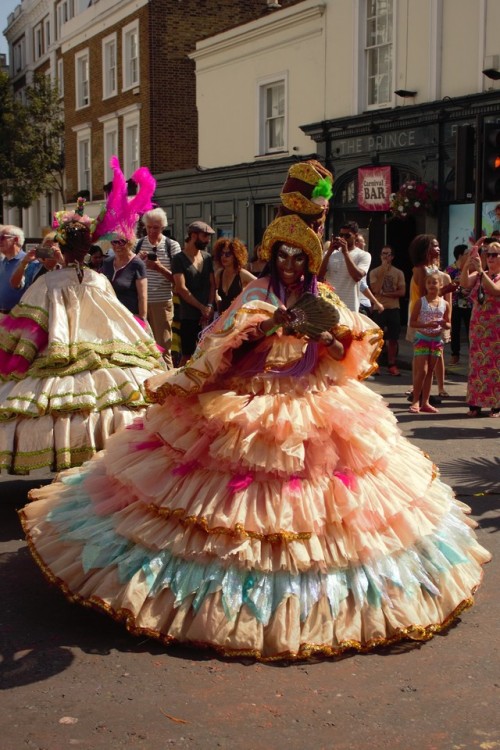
127	82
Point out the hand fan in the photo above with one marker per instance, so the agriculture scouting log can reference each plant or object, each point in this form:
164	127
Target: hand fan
312	315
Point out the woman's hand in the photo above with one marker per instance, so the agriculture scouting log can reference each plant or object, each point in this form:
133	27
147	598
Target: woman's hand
281	317
326	338
333	345
474	263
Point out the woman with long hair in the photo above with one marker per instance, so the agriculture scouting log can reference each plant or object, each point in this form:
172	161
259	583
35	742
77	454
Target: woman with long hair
483	382
231	277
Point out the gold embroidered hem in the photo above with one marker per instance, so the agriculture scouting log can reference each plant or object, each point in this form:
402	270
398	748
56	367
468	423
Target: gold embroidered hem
306	650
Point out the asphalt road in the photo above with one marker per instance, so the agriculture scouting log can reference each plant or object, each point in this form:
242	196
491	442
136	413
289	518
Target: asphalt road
72	678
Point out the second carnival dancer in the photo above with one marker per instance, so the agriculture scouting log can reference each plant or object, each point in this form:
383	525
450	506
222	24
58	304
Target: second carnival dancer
73	359
267	505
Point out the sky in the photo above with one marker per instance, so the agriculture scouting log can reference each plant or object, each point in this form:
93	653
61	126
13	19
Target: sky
6	7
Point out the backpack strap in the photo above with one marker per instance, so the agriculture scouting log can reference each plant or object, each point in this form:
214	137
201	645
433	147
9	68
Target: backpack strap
168	246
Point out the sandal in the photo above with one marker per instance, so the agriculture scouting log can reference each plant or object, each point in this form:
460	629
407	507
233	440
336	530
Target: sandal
414	409
443	394
429	409
474	411
494	414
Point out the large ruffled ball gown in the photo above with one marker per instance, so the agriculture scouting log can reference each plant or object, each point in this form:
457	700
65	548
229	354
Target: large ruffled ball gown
267	505
73	362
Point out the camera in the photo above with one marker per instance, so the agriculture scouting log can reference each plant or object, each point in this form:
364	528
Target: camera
43	253
152	256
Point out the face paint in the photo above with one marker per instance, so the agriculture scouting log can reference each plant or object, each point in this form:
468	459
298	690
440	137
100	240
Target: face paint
289	250
290	263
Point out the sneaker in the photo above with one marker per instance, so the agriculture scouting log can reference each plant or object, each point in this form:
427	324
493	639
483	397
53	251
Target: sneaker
393	370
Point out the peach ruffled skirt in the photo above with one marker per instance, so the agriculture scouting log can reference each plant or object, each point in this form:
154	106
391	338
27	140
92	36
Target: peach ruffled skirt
275	523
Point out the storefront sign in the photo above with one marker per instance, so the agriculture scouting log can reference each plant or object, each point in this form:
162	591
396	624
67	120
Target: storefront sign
374	188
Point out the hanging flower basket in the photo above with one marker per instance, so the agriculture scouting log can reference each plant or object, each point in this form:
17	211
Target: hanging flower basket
413	198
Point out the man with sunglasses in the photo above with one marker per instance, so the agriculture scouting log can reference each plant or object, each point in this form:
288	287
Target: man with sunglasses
195	284
11	243
345	264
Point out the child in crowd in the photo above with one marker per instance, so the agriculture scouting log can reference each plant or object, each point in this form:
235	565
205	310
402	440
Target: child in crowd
430	317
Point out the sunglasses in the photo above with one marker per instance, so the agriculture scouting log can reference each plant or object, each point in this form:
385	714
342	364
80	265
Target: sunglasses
6	236
226	253
492	255
119	242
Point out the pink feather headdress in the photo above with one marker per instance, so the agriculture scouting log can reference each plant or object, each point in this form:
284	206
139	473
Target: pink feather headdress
121	214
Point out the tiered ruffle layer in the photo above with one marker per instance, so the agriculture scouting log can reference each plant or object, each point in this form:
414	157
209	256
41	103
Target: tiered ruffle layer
278	518
73	362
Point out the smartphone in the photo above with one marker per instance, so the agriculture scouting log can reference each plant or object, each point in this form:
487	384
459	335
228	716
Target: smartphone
152	256
44	252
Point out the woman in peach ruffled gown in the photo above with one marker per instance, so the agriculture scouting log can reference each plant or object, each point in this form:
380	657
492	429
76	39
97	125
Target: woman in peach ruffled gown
267	504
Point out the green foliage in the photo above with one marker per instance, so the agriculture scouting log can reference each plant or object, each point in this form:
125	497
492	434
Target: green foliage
31	142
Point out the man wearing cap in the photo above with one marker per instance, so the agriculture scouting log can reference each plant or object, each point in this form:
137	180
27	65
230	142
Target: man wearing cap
195	284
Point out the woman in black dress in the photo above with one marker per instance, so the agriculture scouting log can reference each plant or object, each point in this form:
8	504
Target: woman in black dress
231	257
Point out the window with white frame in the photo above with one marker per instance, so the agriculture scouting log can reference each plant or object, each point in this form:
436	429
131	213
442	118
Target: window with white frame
60	76
130	51
46	32
83	157
379	50
131	143
19	55
272	115
38	41
82	79
109	72
110	146
65	10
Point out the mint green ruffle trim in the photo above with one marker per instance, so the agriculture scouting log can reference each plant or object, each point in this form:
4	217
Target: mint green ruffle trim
420	567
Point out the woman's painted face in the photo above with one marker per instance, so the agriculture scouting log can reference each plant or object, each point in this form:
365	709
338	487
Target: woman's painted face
291	263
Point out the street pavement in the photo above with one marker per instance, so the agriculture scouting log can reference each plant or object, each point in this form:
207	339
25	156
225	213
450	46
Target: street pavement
73	678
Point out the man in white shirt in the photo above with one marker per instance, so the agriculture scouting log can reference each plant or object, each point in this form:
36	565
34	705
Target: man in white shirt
160	277
345	264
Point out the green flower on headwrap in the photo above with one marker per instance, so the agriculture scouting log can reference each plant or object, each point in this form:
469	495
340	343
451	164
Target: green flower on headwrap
323	189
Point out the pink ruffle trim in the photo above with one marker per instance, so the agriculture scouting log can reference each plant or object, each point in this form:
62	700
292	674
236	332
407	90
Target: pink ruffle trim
21	328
